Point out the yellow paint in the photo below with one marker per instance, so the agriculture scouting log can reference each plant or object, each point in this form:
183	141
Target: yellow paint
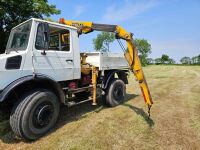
94	83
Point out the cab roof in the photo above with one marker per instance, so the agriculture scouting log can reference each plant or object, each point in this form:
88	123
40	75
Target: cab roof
50	22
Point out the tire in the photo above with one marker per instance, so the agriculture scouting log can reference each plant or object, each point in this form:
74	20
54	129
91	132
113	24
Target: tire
35	114
115	93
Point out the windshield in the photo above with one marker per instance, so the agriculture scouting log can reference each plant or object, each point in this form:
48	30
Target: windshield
19	37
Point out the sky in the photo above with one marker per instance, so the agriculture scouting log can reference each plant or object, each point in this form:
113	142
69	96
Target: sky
172	27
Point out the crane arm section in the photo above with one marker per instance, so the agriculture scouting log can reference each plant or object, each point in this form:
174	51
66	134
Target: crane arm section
131	55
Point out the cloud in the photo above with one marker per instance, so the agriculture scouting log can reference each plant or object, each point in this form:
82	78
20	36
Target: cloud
78	10
127	11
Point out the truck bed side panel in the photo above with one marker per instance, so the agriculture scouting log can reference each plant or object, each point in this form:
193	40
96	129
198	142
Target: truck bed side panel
107	61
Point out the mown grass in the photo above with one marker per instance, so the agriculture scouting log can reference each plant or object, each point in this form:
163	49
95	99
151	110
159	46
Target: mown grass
174	122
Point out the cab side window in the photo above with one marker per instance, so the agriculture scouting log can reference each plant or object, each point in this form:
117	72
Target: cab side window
54	42
65	41
59	39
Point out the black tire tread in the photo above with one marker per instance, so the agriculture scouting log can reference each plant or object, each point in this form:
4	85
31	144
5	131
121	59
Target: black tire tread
108	100
18	110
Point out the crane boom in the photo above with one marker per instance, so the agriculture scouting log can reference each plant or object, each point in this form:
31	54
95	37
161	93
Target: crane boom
131	55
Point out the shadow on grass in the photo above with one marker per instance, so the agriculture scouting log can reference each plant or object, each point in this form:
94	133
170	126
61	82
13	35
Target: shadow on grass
141	112
77	112
67	115
130	97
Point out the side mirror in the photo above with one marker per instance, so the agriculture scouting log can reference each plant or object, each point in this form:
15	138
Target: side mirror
46	34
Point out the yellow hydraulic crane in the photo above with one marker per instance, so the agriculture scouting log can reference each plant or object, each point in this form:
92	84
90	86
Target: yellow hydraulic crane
131	55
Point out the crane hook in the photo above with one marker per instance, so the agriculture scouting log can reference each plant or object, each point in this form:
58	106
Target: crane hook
149	110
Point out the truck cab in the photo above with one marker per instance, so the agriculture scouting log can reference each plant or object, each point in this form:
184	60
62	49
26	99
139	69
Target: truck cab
27	52
43	68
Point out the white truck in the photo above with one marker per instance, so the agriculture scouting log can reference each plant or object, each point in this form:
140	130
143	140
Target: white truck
42	68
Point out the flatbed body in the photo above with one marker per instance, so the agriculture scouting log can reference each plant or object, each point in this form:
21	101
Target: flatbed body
106	60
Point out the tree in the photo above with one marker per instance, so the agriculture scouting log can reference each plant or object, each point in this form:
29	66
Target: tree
165	59
171	61
185	60
102	41
144	48
158	61
13	12
150	61
196	59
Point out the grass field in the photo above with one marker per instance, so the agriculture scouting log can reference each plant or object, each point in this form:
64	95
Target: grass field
174	122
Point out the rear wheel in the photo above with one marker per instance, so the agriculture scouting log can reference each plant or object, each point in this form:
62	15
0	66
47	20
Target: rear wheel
35	114
115	93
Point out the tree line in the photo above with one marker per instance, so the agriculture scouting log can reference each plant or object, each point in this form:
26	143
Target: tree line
191	61
104	39
166	60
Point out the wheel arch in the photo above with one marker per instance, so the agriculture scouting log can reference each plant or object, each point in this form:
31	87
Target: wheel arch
29	82
109	75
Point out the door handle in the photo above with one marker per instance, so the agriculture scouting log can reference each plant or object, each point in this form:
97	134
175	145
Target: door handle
69	60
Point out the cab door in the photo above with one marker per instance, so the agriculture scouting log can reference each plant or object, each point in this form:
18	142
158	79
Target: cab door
54	62
66	53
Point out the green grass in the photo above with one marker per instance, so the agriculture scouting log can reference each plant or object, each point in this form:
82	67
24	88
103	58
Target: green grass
174	122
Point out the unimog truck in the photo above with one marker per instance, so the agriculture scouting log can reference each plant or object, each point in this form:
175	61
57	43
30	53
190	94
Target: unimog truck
43	68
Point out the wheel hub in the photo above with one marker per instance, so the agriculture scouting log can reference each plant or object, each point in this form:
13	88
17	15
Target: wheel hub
118	93
43	115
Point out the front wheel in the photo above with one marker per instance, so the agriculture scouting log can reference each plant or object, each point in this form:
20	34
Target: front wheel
115	93
35	114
